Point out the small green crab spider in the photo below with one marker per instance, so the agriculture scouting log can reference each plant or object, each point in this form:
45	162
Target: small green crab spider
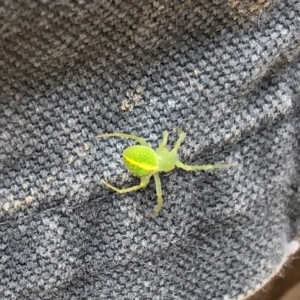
144	162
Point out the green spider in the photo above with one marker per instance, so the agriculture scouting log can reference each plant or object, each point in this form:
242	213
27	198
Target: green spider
144	162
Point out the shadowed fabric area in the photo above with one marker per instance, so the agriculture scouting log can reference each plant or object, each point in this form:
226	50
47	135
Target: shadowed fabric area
226	72
285	285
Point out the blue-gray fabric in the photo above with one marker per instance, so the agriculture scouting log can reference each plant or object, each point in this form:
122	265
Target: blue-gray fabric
226	72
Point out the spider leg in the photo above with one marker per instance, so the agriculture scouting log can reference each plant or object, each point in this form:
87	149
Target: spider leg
164	141
158	194
144	182
126	136
179	140
179	164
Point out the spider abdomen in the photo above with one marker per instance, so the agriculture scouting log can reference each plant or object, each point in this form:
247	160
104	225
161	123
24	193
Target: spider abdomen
140	160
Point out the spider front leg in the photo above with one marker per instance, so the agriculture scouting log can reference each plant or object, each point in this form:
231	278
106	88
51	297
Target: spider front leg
179	140
164	141
126	136
144	182
179	164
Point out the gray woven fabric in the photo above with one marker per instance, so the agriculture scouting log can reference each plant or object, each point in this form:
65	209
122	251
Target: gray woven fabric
226	72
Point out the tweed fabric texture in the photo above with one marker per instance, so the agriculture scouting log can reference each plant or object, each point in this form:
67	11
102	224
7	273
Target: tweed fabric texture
226	72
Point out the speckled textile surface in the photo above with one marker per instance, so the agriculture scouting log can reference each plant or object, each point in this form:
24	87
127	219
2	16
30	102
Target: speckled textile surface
226	72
